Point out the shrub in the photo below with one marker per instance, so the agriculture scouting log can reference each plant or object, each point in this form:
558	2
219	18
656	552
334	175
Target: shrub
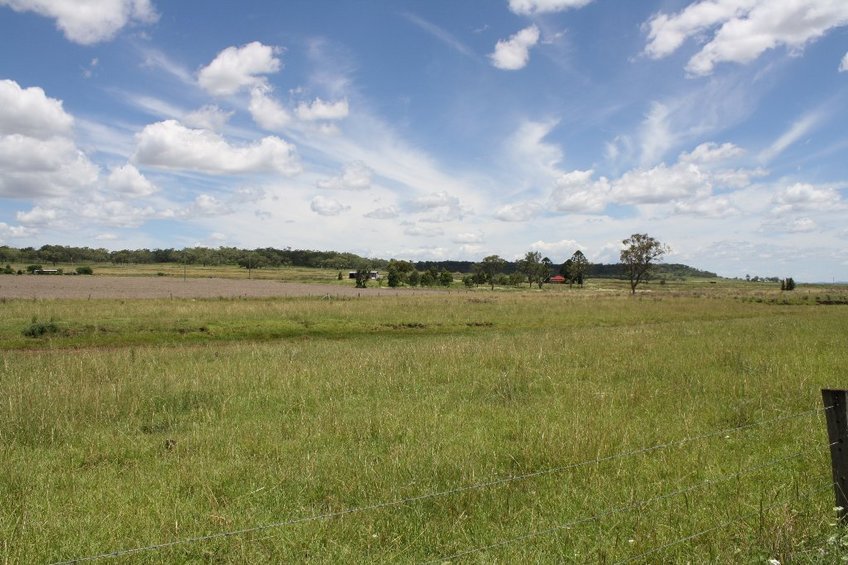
85	270
8	270
33	268
39	329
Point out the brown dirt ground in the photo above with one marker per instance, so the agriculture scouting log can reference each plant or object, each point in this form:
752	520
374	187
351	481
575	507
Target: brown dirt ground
93	287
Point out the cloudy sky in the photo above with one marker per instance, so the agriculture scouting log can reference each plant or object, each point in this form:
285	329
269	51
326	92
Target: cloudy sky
432	129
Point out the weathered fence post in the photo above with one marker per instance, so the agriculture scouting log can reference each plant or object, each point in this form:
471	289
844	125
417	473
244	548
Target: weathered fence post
836	410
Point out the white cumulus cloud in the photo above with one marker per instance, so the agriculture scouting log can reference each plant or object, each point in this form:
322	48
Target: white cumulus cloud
423	231
440	206
89	21
563	248
266	111
384	213
530	7
711	153
209	117
128	180
518	212
32	167
322	110
171	145
327	206
578	192
513	54
354	176
806	197
468	237
30	112
235	68
739	31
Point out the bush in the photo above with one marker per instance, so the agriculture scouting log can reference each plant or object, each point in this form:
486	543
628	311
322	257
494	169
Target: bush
85	271
8	270
39	329
787	284
33	268
445	278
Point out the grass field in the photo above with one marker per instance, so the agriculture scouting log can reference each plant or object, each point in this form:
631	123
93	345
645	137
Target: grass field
139	422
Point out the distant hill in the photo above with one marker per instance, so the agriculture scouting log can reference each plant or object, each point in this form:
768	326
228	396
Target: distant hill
271	257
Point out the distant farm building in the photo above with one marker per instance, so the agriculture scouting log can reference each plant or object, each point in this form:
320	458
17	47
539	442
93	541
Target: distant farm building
557	279
373	275
47	272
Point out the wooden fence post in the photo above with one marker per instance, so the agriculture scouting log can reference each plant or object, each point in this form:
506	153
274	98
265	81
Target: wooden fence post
836	410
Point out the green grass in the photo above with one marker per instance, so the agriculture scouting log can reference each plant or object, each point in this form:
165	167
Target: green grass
142	422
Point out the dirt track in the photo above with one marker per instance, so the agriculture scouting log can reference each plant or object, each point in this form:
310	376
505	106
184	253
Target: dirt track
85	287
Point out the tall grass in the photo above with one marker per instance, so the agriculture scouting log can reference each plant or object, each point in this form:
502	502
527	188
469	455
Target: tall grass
147	429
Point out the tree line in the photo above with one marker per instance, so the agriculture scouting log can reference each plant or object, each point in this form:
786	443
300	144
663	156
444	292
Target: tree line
532	269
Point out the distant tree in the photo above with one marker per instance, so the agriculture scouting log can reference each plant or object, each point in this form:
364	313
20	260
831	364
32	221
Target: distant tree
491	266
546	269
429	277
362	276
516	278
393	277
535	268
402	268
577	267
445	278
787	284
414	278
639	255
565	270
468	281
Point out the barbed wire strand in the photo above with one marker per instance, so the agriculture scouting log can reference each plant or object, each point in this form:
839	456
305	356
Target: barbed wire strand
617	510
438	494
710	530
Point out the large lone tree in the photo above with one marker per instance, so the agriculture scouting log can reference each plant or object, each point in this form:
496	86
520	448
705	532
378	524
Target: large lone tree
489	268
639	255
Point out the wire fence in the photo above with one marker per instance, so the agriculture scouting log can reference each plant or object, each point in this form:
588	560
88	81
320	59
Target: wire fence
503	481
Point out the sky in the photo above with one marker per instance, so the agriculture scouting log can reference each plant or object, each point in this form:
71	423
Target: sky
432	129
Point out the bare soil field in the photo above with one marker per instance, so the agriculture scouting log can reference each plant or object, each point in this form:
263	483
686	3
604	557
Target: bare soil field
94	287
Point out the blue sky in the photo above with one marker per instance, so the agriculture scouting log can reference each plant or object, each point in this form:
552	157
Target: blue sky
432	129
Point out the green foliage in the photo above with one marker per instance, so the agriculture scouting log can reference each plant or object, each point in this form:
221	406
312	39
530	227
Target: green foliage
576	268
33	268
85	270
445	279
488	269
393	277
40	329
362	277
414	278
638	256
468	281
429	278
8	270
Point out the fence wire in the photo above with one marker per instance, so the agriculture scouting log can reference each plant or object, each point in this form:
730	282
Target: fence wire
712	529
619	509
443	493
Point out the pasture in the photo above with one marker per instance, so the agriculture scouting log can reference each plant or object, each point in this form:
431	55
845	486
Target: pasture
480	426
